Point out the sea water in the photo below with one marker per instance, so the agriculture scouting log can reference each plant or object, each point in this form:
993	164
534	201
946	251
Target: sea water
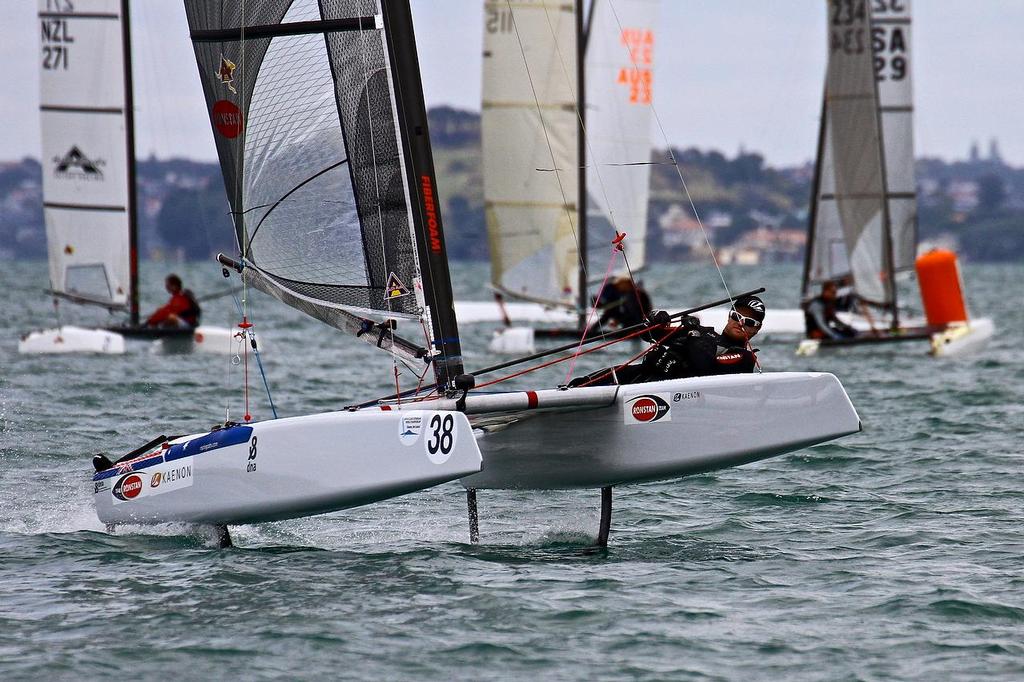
895	553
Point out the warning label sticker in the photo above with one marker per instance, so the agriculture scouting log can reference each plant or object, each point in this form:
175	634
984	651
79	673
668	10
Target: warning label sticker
395	288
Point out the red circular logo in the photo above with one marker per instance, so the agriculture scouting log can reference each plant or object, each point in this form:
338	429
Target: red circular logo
227	118
131	486
645	410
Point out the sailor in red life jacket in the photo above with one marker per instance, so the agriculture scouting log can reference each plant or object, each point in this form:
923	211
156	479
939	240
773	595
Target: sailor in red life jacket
182	311
690	350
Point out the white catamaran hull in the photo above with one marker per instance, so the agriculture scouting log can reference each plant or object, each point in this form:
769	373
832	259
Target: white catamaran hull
961	339
957	339
611	435
288	468
70	339
212	340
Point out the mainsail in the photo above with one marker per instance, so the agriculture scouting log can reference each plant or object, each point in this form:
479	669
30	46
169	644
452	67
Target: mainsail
619	78
533	146
863	216
87	151
530	155
321	131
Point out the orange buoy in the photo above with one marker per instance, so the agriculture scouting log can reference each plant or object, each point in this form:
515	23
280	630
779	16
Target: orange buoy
942	292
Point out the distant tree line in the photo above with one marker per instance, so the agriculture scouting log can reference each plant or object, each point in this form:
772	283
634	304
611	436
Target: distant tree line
184	210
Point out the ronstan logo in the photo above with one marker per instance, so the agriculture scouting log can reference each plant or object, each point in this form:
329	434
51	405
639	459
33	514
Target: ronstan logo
227	118
128	487
75	164
648	408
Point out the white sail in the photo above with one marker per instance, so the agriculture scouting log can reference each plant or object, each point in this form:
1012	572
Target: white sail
890	37
850	232
84	149
529	115
619	82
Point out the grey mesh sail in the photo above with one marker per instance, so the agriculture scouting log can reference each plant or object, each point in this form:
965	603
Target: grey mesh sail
301	96
321	129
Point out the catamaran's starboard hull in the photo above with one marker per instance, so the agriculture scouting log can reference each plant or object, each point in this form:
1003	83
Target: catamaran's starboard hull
287	468
70	339
660	430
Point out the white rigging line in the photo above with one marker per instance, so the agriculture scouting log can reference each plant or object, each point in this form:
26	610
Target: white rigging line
547	140
672	156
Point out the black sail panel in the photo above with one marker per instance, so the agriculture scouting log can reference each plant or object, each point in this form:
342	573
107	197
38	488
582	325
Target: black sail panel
300	98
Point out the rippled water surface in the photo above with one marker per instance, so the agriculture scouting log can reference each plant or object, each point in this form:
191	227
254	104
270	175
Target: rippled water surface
897	553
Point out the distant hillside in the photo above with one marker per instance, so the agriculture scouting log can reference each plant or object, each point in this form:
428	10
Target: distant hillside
746	206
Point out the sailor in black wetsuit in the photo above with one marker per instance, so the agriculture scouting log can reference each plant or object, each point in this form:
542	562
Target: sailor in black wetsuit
820	316
624	303
691	350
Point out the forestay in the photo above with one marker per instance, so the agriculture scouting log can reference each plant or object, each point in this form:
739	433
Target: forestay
619	88
87	198
530	154
864	211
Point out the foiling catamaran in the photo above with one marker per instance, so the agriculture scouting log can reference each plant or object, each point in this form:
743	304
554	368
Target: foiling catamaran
322	134
89	188
863	219
566	118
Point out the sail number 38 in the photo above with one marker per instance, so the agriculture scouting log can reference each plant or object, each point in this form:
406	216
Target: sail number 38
442	434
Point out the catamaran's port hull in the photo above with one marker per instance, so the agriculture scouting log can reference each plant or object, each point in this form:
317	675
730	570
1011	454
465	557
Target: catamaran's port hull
287	468
611	435
71	339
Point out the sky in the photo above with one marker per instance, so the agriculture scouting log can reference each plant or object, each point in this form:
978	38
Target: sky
729	74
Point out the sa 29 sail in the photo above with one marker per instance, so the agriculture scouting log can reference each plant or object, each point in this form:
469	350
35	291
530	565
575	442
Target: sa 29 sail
320	127
864	211
87	145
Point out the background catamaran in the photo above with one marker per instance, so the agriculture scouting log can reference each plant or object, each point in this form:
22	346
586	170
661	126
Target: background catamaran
566	117
332	183
89	202
863	220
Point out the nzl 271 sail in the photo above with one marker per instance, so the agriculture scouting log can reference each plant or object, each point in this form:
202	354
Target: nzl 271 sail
88	152
321	130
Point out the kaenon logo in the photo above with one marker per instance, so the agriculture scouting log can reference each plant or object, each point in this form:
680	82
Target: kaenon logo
75	164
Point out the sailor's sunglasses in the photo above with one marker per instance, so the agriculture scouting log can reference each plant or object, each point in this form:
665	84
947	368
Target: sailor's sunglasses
744	320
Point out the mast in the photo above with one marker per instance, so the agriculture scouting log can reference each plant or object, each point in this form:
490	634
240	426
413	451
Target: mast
815	192
419	164
581	166
129	125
